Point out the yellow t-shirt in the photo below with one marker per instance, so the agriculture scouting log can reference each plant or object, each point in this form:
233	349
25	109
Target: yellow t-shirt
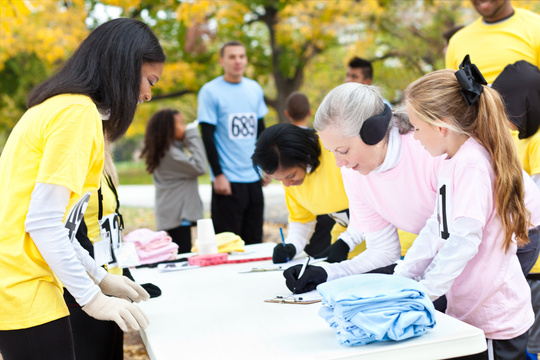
529	154
493	46
91	214
57	142
321	193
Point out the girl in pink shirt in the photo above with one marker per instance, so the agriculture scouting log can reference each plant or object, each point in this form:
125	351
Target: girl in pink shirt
467	249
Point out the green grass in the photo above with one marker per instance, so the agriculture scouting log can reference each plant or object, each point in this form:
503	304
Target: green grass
134	173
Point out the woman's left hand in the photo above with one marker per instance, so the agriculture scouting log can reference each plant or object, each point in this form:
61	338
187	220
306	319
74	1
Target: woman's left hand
122	287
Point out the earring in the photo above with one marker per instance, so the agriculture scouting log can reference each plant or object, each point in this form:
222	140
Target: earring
308	168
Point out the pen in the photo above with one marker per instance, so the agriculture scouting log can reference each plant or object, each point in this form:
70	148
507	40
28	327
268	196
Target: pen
302	272
283	240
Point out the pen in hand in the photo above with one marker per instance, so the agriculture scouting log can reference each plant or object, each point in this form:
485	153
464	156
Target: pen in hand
302	272
283	240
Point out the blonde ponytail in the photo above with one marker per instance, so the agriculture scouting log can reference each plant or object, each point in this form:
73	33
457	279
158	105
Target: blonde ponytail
491	130
438	96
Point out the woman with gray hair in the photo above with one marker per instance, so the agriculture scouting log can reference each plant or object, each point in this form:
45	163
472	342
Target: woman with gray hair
389	178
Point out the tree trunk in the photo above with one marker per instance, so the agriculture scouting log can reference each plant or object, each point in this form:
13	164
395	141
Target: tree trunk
284	85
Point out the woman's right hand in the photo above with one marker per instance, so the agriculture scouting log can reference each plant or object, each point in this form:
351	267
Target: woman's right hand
127	315
313	276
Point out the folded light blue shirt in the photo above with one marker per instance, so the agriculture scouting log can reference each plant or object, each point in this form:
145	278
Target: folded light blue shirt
376	307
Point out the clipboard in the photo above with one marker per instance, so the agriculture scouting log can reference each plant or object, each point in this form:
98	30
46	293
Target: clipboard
307	298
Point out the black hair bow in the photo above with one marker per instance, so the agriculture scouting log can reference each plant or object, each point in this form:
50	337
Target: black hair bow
471	80
374	129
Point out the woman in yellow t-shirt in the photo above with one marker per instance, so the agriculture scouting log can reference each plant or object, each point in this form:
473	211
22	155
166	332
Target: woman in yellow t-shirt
53	156
96	339
313	186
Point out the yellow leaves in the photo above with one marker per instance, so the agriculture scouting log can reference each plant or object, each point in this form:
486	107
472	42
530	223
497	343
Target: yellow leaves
527	4
11	12
124	4
313	22
190	12
359	48
198	12
11	16
178	75
233	12
50	31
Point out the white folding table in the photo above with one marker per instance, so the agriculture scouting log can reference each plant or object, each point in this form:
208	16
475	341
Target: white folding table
216	312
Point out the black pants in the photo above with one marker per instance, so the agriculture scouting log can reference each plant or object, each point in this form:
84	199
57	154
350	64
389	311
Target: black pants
322	237
50	341
240	213
528	254
181	235
512	349
94	339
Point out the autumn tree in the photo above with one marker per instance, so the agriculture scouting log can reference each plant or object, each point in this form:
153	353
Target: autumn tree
291	44
35	37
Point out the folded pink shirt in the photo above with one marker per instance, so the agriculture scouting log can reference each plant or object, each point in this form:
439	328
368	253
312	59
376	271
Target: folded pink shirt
152	246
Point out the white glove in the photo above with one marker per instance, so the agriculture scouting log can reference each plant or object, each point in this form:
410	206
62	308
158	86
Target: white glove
122	287
128	316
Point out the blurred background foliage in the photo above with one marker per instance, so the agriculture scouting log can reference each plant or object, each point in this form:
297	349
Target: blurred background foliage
291	44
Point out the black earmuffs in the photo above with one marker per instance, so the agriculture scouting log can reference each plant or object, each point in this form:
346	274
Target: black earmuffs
374	129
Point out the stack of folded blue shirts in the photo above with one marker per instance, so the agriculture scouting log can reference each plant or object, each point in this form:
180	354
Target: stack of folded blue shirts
376	307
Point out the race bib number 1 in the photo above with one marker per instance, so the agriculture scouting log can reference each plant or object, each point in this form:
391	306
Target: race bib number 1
242	126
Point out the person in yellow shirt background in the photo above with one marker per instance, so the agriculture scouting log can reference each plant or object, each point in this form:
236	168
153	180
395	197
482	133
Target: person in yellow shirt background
298	111
502	35
53	156
519	85
313	186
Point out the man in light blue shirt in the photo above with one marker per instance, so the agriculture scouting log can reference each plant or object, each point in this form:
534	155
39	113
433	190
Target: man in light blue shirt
231	110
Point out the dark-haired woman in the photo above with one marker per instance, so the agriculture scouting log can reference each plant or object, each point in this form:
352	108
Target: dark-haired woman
175	172
53	156
313	186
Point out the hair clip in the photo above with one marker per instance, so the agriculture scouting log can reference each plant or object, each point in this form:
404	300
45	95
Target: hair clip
374	129
471	80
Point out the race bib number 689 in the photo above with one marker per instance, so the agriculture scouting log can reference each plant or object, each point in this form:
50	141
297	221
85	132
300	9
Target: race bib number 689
242	126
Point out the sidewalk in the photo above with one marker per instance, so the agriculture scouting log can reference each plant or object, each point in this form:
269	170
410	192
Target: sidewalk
275	208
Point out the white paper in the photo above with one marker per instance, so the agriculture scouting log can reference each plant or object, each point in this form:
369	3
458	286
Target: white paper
127	255
175	266
102	249
283	266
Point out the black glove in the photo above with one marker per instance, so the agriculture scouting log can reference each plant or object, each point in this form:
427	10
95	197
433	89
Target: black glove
283	253
389	270
338	251
313	276
152	289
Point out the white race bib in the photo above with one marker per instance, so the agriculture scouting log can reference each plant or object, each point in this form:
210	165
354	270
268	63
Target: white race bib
110	224
242	126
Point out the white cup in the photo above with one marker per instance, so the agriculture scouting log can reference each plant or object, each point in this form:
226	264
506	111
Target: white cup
206	237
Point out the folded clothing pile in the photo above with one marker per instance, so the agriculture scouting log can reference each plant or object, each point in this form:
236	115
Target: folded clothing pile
375	307
226	242
152	246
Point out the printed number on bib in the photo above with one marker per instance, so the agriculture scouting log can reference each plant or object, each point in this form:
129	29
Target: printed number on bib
75	216
111	224
444	208
242	126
